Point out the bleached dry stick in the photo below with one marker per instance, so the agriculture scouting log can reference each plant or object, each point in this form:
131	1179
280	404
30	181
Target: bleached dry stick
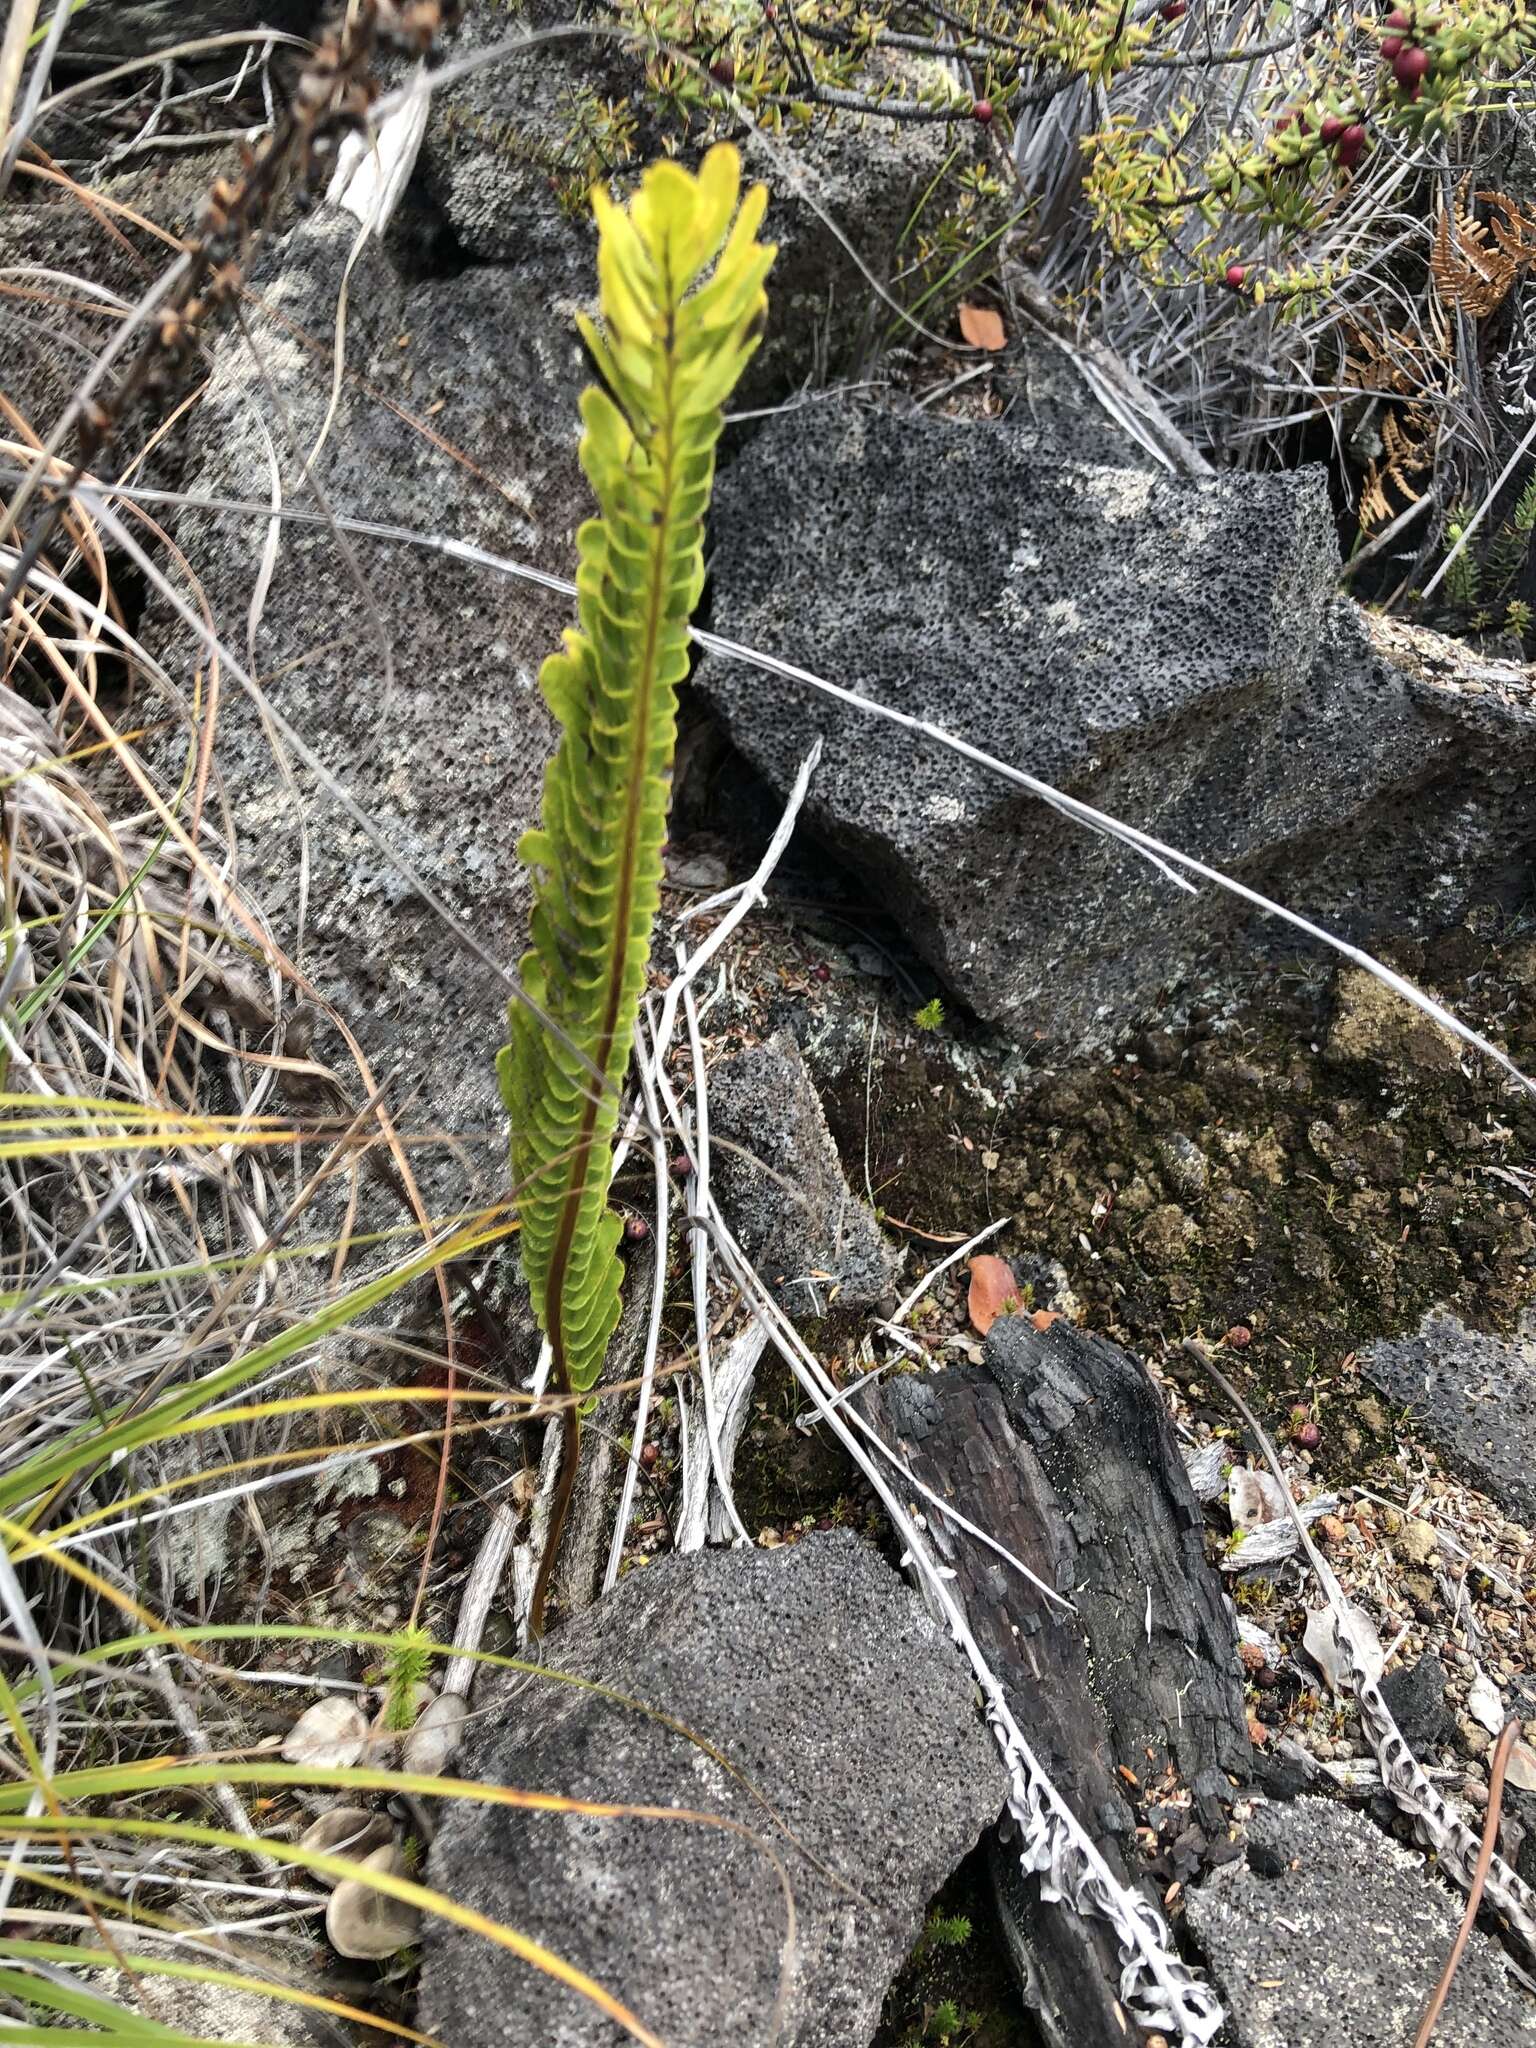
480	1590
734	1375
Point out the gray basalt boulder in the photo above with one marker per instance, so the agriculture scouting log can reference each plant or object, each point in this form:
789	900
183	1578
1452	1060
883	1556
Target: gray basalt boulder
1334	1932
816	1673
444	753
782	1186
1168	650
1473	1395
52	332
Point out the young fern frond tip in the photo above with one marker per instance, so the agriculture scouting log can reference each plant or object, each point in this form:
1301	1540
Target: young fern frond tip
672	343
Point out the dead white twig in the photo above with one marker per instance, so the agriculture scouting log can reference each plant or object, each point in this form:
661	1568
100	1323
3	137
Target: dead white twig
480	1590
698	1519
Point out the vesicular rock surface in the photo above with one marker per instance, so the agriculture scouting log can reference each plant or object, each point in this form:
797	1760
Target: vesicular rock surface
783	1187
1473	1395
442	746
816	1672
1333	1932
1168	650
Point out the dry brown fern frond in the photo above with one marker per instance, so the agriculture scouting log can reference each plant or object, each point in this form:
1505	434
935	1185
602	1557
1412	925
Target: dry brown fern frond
1391	362
1474	263
1407	452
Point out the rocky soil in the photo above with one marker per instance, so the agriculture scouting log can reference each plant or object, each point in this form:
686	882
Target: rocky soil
1198	1137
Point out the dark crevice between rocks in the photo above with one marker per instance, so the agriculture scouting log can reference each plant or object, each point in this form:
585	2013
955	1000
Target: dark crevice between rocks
422	243
970	1973
722	808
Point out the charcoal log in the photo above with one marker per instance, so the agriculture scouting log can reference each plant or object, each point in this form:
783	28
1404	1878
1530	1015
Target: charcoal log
1060	1447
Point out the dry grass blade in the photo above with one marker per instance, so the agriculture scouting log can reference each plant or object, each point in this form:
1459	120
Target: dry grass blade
13	55
1442	1990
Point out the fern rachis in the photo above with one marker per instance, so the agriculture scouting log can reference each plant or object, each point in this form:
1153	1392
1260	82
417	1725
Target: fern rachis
670	351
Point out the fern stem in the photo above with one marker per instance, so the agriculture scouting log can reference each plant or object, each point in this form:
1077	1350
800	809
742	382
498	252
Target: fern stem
559	1507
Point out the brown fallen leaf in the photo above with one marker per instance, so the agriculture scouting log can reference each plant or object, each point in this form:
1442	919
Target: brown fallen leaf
1042	1318
982	327
994	1292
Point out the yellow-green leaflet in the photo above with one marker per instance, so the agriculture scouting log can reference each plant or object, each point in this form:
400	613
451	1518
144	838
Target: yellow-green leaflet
670	349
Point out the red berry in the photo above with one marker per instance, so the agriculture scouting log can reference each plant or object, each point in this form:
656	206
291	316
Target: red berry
1351	146
723	71
821	971
1282	124
1333	127
1238	1336
648	1455
1410	67
1399	18
1308	1435
1174	10
636	1229
982	112
1390	47
1237	275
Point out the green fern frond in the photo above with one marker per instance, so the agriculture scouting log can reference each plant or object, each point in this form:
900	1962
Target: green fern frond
670	349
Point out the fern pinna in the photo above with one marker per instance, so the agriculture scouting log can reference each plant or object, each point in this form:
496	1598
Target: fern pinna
670	348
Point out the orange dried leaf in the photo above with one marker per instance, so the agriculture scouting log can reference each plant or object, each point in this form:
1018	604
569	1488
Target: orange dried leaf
994	1292
1042	1318
982	327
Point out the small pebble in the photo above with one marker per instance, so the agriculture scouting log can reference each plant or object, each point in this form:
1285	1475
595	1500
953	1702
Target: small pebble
1416	1541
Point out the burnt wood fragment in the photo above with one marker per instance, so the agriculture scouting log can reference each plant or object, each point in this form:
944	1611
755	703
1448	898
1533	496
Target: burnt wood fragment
1060	1447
